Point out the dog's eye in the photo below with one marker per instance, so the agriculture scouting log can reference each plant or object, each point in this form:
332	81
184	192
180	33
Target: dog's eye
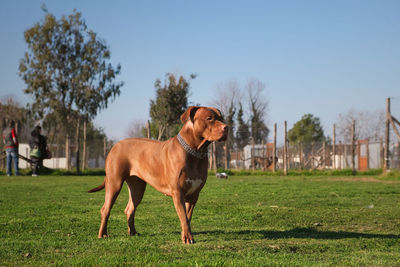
209	118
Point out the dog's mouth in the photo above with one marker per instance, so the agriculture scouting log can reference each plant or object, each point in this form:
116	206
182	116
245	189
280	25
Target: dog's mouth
223	137
216	136
224	134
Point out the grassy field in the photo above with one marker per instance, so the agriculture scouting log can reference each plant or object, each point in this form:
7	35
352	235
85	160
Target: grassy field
246	220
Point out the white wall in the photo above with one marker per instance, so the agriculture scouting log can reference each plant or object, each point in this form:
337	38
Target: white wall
53	163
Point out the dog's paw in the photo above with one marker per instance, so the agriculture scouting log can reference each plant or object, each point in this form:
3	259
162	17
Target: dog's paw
187	238
134	233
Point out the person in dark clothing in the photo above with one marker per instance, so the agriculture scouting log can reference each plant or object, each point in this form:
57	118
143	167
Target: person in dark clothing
10	140
38	145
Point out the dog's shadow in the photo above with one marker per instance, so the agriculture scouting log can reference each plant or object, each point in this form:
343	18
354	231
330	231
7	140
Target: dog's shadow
300	233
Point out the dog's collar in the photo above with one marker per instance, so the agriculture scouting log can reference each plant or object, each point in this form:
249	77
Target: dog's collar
195	153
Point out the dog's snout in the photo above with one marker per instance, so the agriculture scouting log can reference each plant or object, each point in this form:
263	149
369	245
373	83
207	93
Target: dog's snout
224	132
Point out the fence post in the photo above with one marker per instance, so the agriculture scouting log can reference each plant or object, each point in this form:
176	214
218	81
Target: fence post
226	155
252	154
67	153
87	157
285	152
398	154
340	152
77	147
84	156
214	156
334	147
274	151
104	150
301	159
148	130
386	165
323	155
381	154
367	154
262	156
312	155
353	163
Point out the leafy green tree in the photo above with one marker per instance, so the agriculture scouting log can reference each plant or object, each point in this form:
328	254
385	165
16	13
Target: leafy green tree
243	132
306	130
259	131
170	103
68	72
10	109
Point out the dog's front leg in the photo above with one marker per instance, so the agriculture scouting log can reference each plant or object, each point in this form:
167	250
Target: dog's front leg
190	203
179	203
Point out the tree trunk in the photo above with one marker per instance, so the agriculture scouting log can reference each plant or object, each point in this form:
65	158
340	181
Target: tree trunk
274	151
67	153
84	153
77	142
161	130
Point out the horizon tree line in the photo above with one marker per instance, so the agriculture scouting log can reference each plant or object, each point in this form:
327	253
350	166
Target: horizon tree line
68	74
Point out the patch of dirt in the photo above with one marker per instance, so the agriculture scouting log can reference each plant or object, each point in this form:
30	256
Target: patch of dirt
360	179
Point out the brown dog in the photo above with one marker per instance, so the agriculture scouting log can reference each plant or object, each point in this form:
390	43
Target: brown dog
176	167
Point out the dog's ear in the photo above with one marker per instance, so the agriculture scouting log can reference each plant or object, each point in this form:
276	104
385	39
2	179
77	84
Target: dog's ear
189	114
218	112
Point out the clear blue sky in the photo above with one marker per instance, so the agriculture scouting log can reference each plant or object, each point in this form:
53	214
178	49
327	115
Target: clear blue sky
319	57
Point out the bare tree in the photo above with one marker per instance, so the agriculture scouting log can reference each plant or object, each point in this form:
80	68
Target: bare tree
135	129
258	107
226	96
369	125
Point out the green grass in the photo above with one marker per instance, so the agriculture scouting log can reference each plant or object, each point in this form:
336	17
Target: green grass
245	220
293	172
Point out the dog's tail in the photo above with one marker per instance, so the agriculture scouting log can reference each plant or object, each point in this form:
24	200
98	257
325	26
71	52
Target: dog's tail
100	187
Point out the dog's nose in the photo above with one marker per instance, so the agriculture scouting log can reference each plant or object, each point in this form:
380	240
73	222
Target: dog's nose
225	128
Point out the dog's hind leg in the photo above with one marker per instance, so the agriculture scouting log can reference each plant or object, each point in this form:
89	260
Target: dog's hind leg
113	187
136	191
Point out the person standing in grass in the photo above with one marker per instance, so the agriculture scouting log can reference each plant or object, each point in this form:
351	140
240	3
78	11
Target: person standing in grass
10	140
38	145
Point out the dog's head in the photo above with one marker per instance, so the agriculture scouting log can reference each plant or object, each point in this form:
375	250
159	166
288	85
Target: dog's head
207	123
